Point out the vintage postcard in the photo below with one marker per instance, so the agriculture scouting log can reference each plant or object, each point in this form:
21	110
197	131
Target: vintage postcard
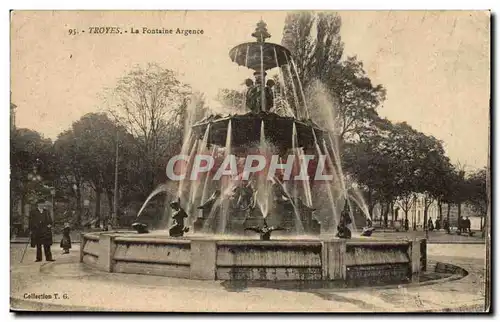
250	161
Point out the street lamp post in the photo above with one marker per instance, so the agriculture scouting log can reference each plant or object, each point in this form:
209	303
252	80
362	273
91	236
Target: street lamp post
52	194
114	219
34	178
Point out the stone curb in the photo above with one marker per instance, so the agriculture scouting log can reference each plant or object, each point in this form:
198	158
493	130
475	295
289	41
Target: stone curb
26	241
428	242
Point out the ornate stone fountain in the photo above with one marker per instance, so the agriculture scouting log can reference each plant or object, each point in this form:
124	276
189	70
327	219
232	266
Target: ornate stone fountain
232	220
261	128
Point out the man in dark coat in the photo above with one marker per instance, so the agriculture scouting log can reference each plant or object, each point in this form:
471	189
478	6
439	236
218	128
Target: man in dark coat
40	226
467	225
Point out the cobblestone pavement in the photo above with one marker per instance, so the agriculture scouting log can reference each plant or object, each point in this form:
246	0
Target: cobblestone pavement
82	288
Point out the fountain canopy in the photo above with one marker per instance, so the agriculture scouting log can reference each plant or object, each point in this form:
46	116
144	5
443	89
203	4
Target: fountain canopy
260	55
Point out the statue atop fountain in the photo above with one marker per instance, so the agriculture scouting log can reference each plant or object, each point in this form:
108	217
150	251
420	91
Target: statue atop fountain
178	228
254	101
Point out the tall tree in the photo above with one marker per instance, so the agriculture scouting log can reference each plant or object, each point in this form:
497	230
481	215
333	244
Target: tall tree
317	48
87	154
315	43
29	152
154	106
477	197
71	170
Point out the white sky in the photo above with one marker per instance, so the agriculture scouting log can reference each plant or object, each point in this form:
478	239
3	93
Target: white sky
434	65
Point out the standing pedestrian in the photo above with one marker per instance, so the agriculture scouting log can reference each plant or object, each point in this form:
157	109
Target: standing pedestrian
40	226
446	225
467	225
430	225
437	225
66	239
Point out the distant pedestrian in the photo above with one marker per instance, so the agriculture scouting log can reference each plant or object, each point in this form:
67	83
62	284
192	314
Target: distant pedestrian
430	225
438	224
446	225
462	224
66	239
40	227
407	224
467	225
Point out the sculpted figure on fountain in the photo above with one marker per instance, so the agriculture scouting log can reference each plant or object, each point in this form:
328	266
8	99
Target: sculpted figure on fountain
178	228
254	94
243	196
368	230
345	219
264	231
206	208
140	228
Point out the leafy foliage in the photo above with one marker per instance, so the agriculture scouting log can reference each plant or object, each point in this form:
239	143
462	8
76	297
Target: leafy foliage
317	49
477	196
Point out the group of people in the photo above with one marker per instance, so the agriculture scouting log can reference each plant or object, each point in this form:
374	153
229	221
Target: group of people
40	227
437	225
464	225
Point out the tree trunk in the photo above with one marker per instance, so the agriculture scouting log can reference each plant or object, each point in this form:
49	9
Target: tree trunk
393	219
21	217
79	208
97	212
371	205
440	209
111	205
386	213
380	215
425	215
426	228
448	214
370	211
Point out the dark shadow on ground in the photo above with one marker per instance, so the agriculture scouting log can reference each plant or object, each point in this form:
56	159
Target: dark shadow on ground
437	272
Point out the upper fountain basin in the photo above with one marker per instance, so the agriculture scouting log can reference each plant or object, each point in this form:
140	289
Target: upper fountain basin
257	55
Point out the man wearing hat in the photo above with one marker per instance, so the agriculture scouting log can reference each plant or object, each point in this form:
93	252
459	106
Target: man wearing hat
40	226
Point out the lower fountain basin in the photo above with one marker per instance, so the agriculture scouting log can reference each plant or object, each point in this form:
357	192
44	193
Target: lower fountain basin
212	258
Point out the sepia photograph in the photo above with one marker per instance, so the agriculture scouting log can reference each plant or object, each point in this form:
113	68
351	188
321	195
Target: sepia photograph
250	161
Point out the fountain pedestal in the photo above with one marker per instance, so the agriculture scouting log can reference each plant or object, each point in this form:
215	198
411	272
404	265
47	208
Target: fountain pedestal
332	255
203	259
251	259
